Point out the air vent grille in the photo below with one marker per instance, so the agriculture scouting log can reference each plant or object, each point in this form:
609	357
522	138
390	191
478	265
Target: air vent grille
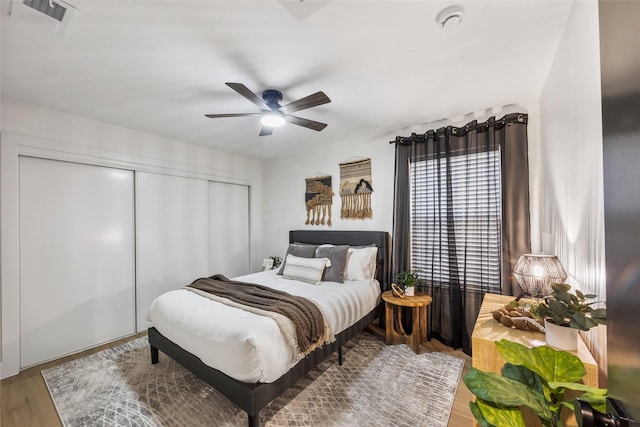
56	11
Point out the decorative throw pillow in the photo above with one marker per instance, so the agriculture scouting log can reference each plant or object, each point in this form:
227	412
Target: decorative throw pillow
300	250
361	263
305	269
337	255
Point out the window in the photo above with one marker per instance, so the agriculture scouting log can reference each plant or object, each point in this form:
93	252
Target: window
455	220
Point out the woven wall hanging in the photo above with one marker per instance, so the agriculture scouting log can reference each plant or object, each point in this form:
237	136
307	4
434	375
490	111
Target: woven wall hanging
356	189
318	198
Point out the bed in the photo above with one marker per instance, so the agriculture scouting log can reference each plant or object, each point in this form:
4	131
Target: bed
256	388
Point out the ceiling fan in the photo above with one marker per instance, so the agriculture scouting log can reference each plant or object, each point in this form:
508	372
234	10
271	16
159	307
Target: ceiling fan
273	114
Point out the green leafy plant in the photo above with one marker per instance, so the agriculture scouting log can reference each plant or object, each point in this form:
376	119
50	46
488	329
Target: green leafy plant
407	279
536	378
566	309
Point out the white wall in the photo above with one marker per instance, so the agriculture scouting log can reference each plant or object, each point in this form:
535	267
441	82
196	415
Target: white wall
35	131
569	170
284	188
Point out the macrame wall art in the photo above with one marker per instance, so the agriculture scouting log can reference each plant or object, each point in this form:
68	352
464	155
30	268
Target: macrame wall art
318	198
356	189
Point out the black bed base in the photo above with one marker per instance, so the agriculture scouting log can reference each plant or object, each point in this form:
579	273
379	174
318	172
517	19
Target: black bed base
251	398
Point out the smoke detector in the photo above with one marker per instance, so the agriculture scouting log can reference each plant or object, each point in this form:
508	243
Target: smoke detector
450	17
52	16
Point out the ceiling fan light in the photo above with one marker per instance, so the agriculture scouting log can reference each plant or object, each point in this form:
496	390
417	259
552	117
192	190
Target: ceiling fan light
273	119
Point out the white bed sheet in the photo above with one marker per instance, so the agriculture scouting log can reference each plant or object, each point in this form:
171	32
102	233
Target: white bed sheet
247	346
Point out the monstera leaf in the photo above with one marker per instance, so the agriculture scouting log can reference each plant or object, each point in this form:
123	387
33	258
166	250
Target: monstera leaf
536	378
505	392
552	365
597	397
477	414
489	414
524	376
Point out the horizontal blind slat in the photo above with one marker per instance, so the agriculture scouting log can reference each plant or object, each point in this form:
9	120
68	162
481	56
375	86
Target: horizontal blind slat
472	201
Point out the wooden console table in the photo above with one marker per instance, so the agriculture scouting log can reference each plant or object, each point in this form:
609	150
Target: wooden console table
394	332
487	331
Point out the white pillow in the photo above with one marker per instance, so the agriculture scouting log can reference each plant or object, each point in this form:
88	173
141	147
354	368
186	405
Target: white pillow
361	263
304	269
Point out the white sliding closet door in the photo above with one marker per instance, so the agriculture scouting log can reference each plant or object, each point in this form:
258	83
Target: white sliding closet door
229	229
172	228
76	257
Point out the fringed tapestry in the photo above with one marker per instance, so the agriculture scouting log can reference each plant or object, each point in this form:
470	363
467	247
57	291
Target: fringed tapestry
318	198
356	189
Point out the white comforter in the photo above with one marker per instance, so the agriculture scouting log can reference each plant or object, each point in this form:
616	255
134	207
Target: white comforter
247	346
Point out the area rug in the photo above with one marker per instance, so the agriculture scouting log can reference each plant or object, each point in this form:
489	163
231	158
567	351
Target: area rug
376	385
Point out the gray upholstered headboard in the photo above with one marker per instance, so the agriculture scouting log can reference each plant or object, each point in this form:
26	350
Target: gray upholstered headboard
352	238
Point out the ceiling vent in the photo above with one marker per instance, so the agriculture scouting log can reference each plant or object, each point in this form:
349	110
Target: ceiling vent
47	15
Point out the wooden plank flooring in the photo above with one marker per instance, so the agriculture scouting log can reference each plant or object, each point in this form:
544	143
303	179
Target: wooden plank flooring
26	401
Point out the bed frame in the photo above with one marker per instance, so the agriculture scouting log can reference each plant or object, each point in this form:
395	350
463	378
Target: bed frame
252	397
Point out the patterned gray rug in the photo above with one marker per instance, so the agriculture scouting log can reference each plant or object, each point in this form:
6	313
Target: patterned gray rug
376	386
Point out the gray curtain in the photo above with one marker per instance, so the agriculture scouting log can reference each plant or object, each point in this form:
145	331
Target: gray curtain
454	310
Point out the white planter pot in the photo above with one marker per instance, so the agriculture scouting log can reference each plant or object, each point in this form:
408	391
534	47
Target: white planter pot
410	291
561	337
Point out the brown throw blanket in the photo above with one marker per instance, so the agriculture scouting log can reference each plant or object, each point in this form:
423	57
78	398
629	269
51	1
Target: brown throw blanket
306	316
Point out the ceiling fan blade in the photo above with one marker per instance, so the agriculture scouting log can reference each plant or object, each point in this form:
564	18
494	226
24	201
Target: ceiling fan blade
311	124
265	131
313	100
246	92
217	116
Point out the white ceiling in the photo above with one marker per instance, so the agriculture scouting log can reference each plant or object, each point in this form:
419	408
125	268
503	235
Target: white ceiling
159	66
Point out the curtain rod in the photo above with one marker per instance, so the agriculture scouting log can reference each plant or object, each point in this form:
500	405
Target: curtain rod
462	130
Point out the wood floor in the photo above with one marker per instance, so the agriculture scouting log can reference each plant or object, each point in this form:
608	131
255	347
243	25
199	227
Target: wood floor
26	401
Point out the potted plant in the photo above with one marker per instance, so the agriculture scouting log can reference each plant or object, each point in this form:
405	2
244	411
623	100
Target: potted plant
565	313
535	378
408	280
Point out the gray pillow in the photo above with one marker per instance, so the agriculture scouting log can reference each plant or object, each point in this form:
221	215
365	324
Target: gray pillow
338	257
298	249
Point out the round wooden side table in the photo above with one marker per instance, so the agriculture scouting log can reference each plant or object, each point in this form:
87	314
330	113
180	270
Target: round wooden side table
394	331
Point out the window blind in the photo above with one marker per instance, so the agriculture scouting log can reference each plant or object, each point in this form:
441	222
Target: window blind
456	220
